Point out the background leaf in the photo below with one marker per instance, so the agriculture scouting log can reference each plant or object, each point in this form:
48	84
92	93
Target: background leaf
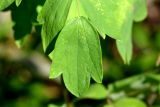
129	102
96	91
140	9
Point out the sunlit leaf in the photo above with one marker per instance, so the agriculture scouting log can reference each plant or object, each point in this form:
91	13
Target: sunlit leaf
77	55
137	13
76	10
53	17
108	106
108	16
18	2
140	9
115	19
96	91
5	3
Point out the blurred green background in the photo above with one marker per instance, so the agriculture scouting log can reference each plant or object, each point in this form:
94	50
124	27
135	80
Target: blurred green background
24	68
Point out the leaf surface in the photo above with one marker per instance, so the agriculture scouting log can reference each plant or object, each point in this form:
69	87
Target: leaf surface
108	16
18	2
96	91
5	3
129	102
77	55
137	13
115	18
53	17
76	10
139	9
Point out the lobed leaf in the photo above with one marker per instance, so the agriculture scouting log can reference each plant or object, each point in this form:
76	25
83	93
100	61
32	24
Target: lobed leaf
137	13
139	9
130	102
108	16
77	55
115	18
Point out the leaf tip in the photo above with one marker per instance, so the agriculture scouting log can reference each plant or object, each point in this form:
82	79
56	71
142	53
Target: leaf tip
18	2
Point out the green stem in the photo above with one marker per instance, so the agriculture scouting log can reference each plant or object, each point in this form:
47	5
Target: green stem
66	95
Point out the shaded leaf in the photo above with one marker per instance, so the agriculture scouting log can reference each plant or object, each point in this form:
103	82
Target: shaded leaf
24	16
119	85
22	20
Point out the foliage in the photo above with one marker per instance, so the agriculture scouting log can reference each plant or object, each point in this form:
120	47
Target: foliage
102	16
70	32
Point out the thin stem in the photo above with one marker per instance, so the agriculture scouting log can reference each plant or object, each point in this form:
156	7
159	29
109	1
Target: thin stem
66	95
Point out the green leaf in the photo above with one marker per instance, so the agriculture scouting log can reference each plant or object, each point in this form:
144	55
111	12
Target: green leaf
77	55
124	45
24	16
127	83
22	20
108	106
115	19
76	10
18	2
5	3
53	17
140	9
96	91
129	102
53	105
108	16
